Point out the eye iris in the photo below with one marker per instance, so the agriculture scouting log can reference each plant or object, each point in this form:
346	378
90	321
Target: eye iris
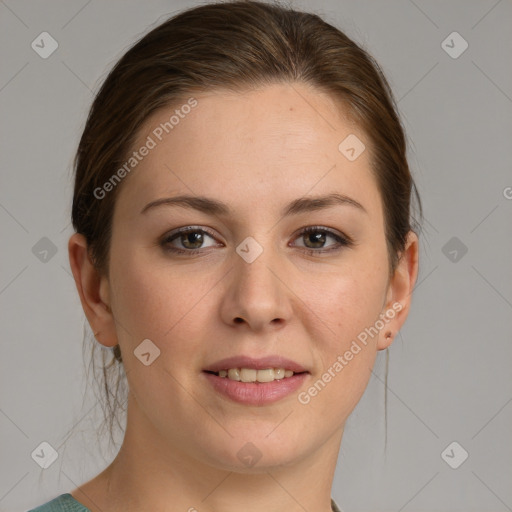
316	237
197	238
312	239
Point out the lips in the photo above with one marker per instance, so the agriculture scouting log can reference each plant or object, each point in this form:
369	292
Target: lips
234	378
262	363
256	393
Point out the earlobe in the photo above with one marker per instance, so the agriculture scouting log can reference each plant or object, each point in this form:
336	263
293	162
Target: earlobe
92	289
399	293
388	339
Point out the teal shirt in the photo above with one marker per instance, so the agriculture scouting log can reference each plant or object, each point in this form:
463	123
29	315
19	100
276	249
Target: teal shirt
66	503
63	503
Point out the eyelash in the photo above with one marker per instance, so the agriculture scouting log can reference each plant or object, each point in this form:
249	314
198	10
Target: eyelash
343	241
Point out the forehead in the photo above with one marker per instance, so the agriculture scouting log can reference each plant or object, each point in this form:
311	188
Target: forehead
272	144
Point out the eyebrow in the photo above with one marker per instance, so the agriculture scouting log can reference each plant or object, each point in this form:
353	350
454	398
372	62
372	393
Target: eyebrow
218	208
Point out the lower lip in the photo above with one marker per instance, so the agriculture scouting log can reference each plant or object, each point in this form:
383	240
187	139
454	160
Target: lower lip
256	393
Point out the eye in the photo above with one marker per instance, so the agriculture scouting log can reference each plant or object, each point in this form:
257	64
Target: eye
314	239
190	238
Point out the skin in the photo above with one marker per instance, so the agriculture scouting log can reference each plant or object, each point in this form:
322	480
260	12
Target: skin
256	152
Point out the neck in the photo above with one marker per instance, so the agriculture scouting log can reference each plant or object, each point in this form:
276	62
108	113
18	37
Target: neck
147	476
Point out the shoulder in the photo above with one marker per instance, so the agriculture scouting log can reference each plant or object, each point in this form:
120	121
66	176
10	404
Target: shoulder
63	503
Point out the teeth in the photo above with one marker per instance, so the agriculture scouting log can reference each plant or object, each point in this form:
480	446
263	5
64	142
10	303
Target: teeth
279	373
248	375
234	374
252	375
265	375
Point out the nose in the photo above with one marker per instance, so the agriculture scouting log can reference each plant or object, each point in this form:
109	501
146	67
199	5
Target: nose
257	294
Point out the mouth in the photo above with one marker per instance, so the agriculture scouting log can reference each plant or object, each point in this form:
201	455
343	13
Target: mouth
252	381
253	375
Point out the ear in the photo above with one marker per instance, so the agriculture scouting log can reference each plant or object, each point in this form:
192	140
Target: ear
93	290
399	293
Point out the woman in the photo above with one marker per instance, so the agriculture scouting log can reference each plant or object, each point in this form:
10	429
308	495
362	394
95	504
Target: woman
243	243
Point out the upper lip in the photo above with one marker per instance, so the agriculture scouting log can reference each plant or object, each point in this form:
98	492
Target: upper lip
261	363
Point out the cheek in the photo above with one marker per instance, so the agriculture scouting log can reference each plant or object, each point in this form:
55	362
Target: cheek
158	304
155	301
347	354
350	302
354	303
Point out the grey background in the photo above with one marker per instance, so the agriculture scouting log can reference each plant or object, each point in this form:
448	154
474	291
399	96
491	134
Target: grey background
450	373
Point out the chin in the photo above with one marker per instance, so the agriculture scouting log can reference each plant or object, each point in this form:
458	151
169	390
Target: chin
254	454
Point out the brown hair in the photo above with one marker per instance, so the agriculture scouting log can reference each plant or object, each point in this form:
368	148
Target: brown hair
235	45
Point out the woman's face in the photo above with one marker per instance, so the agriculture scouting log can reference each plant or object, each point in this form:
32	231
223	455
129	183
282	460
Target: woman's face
246	281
